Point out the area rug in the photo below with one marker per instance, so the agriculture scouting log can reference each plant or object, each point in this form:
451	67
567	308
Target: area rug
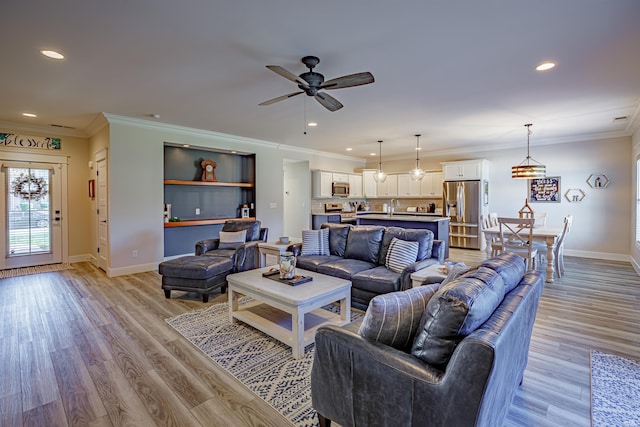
260	362
15	272
615	390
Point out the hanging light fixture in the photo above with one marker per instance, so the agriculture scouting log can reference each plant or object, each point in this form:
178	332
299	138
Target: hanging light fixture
417	174
380	176
526	169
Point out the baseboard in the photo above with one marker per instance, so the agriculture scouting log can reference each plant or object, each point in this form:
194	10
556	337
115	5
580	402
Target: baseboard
82	258
132	269
598	255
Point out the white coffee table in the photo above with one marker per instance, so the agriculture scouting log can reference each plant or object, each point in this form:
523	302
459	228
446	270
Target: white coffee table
290	314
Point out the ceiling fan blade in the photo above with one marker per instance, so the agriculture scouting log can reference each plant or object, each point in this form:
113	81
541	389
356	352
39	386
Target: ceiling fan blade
356	79
328	101
288	75
280	98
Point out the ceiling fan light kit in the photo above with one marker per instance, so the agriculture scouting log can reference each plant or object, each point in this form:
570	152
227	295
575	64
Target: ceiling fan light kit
417	174
380	176
311	83
527	169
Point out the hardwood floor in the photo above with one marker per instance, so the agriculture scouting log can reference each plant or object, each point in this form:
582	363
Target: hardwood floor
79	348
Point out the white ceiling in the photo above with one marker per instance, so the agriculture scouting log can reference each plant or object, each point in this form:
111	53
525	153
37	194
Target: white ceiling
460	72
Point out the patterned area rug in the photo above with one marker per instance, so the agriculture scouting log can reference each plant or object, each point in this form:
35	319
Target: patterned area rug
14	272
260	362
615	390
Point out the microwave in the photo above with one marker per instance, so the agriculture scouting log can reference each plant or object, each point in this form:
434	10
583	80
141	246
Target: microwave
340	189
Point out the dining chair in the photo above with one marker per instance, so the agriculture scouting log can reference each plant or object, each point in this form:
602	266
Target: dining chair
493	219
516	235
496	245
558	256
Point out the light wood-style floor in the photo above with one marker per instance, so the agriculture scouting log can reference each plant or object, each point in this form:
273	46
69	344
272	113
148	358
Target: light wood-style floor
79	348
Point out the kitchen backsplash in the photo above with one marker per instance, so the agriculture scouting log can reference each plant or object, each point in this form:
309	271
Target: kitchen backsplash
317	205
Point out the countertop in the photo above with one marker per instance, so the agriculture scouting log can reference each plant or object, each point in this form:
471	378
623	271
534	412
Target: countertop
405	217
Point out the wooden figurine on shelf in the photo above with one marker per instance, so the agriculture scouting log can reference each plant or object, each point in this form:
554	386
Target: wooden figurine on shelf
208	170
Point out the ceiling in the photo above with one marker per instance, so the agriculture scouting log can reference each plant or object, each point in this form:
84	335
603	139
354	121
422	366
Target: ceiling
461	73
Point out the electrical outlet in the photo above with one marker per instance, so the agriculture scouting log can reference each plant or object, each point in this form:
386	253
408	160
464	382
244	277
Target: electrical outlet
197	211
134	253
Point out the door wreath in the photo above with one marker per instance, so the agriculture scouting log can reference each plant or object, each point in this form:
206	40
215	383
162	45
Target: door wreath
28	187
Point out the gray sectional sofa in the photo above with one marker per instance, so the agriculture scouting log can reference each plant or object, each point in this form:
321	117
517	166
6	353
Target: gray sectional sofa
358	253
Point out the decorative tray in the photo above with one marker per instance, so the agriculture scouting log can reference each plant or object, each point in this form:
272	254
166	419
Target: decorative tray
297	280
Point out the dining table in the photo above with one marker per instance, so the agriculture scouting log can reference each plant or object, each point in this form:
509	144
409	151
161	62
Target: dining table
545	233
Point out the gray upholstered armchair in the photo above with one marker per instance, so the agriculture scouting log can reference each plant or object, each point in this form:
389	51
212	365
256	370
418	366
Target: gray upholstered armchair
244	255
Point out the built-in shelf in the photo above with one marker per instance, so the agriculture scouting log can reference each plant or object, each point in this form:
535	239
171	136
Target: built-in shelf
216	183
192	222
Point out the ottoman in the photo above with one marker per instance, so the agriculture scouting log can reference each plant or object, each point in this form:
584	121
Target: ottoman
201	274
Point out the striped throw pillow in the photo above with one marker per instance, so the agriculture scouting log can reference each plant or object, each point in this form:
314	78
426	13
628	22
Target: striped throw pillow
315	242
394	318
401	254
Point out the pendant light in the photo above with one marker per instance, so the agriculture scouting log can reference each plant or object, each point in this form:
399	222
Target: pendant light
526	169
417	174
380	176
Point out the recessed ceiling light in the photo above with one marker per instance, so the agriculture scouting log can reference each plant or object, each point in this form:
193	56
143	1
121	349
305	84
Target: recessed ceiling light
186	145
373	154
312	124
29	115
545	66
52	54
349	149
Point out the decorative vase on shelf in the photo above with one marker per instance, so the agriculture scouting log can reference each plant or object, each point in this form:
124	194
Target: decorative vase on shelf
287	265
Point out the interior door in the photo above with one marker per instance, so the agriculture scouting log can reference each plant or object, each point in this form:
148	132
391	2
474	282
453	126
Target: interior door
31	200
102	213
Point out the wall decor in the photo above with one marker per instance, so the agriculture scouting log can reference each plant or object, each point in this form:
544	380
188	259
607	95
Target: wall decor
544	189
574	195
598	180
42	143
209	170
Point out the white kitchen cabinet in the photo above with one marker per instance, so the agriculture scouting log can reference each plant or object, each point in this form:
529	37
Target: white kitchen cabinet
431	184
388	188
340	177
466	170
355	186
321	184
369	185
407	187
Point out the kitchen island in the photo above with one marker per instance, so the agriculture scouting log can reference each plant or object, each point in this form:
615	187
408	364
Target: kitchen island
437	224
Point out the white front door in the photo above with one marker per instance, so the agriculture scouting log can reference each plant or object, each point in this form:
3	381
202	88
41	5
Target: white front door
32	203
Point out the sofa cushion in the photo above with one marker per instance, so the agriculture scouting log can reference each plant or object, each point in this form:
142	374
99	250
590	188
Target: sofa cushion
337	237
455	311
393	318
401	254
232	239
311	262
363	243
423	237
509	266
344	268
252	227
315	242
379	280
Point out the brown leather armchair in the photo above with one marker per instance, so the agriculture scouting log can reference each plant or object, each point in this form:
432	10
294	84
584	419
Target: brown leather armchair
243	257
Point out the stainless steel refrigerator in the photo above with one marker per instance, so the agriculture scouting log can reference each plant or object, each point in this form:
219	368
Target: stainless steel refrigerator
462	204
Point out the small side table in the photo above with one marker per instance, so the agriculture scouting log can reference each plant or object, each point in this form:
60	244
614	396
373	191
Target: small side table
433	271
274	248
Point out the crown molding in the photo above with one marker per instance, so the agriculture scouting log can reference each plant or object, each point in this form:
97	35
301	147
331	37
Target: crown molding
39	129
232	139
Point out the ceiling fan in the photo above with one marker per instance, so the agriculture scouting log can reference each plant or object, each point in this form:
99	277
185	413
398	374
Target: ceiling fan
311	83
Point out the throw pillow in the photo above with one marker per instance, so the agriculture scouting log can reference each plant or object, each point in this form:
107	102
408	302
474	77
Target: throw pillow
315	242
393	318
232	239
456	310
401	254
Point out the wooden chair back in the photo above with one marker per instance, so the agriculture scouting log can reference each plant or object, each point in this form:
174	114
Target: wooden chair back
516	235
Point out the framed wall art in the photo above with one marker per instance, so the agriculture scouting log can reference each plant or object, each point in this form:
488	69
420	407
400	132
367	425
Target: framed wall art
598	181
545	189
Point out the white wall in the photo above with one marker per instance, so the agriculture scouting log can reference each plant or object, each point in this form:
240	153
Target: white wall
593	233
137	193
634	247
